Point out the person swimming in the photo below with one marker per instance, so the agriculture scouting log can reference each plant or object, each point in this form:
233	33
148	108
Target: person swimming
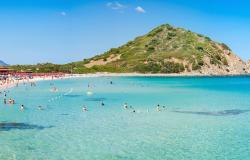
84	109
164	107
102	104
125	106
40	108
22	107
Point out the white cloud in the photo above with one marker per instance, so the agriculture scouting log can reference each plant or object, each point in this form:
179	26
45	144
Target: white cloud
63	13
139	9
115	5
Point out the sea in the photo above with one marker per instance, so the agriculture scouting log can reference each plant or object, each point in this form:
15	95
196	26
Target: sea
128	118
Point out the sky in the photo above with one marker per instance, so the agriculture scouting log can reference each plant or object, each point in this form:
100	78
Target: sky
62	31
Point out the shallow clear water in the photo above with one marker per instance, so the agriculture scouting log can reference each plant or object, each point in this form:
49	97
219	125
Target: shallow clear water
205	118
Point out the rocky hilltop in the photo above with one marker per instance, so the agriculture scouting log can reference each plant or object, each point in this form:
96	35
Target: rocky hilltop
171	50
165	49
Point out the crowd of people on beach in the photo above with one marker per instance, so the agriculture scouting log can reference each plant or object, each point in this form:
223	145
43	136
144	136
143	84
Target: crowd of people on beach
8	81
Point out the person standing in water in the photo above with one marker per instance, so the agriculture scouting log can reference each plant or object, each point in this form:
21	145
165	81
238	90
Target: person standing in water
4	101
158	109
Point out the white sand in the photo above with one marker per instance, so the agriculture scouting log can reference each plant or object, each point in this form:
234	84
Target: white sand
14	82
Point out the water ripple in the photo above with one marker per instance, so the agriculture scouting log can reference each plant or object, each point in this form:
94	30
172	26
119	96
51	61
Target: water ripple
7	126
217	113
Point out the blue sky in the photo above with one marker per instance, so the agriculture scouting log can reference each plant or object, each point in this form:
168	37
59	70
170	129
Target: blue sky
61	31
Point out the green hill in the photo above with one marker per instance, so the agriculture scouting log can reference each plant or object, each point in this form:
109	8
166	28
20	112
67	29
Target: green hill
165	49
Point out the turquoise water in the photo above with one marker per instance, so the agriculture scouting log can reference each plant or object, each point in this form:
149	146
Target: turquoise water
204	119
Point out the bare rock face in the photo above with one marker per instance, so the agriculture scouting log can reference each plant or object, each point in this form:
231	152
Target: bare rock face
248	66
233	66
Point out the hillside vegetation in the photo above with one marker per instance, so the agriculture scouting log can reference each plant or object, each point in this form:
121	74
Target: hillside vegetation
165	49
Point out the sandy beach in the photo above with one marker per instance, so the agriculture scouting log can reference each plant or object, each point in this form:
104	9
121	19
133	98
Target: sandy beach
11	81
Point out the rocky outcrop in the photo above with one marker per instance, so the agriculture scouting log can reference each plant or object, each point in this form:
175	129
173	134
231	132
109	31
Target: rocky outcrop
234	66
248	66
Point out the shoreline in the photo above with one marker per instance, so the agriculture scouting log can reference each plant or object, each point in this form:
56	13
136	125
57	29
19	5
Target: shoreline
105	74
13	83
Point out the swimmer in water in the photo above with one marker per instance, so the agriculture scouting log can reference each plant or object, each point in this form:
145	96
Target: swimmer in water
40	107
84	109
22	107
164	107
158	108
10	101
102	104
125	106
